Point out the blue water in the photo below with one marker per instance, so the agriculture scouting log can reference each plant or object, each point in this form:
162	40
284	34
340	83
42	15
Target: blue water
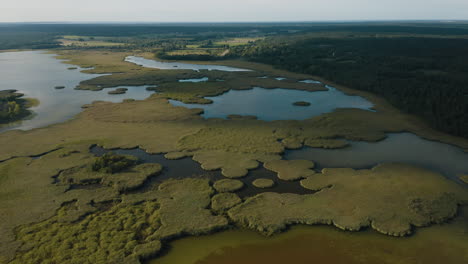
277	104
178	65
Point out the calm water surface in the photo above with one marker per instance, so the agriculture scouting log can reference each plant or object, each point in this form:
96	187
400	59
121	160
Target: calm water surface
36	73
277	104
446	243
178	65
400	147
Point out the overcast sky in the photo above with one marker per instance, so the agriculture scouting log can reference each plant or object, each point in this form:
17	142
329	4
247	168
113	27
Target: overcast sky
230	11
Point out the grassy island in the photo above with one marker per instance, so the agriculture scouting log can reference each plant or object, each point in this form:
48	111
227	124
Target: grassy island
13	106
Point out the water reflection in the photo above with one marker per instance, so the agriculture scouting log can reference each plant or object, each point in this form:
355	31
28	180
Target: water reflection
277	104
401	147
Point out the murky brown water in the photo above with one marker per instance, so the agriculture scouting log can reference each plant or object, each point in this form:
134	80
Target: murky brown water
439	244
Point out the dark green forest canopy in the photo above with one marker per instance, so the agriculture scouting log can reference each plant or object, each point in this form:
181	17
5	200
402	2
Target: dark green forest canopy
422	76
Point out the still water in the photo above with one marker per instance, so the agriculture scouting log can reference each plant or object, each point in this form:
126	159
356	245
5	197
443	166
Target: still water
446	243
277	104
399	147
36	74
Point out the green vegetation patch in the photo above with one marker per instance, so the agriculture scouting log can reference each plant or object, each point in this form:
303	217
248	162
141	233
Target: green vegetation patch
232	136
183	209
131	178
263	183
12	106
291	170
228	185
353	199
118	91
232	164
127	232
118	235
112	163
224	201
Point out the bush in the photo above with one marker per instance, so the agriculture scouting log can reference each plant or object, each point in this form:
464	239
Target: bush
112	163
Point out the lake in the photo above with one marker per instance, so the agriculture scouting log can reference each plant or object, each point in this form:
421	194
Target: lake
277	104
36	73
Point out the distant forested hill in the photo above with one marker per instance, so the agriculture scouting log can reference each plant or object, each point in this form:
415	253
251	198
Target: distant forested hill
425	76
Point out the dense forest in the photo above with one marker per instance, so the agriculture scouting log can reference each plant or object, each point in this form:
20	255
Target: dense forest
422	76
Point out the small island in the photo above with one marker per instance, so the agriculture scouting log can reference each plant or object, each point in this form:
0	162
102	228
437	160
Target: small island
301	103
118	91
13	107
263	183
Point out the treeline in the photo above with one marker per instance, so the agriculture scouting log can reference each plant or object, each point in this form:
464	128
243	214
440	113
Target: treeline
422	76
44	36
28	40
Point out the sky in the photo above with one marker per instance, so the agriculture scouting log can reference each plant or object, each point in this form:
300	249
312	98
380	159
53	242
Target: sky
229	11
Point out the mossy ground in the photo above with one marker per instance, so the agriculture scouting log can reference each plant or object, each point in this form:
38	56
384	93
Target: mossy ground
291	170
30	194
263	183
228	185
